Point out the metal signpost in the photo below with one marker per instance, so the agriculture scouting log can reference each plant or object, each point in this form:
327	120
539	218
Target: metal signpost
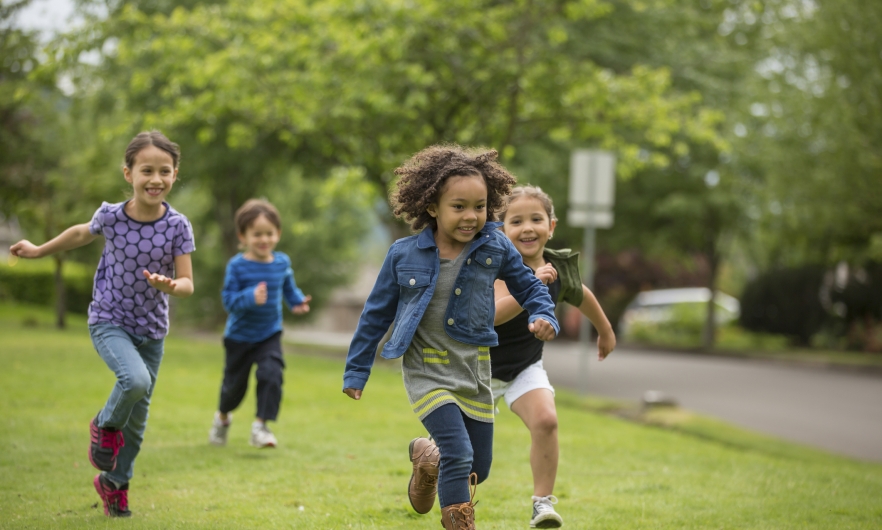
592	195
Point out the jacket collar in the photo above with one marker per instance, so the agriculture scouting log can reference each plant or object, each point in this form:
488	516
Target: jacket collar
426	238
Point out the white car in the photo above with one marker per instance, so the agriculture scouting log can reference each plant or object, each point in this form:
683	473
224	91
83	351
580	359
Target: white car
655	307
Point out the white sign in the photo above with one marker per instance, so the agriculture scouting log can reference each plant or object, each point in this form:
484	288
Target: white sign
592	188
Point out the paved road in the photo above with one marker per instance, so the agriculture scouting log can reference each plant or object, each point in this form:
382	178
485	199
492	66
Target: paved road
838	411
833	410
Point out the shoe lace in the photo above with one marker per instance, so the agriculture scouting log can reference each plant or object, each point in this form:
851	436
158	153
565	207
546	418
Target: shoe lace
112	439
119	499
544	504
428	481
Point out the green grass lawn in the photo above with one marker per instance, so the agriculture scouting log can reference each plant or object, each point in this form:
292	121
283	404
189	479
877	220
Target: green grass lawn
343	464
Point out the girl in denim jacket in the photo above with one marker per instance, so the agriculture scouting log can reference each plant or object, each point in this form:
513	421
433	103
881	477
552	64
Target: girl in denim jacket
437	288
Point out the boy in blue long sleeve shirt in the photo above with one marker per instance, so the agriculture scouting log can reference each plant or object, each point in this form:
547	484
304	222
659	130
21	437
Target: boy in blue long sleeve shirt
257	280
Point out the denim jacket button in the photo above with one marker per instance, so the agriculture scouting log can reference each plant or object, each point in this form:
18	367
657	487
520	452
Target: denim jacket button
449	321
469	261
489	261
412	281
458	291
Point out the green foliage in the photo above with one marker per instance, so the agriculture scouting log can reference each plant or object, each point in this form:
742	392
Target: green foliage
344	462
323	223
34	282
810	138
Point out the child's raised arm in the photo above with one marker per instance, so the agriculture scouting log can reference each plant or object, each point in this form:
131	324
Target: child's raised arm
74	237
529	292
606	337
506	306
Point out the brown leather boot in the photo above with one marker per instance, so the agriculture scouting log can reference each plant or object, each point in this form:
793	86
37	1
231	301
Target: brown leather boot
461	516
423	485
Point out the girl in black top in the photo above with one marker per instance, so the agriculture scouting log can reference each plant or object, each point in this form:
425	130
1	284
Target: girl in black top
516	363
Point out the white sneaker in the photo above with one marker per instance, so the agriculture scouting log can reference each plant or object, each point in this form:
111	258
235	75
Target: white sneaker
261	436
217	435
544	515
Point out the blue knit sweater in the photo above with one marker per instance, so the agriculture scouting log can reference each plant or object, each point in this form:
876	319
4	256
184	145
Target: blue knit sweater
247	321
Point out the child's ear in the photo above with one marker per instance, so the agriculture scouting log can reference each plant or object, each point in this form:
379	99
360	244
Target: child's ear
127	173
433	211
553	226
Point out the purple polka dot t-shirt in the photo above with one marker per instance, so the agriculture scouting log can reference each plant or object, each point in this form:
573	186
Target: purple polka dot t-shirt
121	295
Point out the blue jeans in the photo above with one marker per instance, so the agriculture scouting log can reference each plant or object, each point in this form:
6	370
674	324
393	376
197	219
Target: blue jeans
466	447
134	359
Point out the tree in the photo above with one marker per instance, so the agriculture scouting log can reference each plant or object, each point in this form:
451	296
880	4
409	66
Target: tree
252	88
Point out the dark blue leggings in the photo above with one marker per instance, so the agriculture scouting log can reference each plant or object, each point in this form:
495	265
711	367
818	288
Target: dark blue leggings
466	447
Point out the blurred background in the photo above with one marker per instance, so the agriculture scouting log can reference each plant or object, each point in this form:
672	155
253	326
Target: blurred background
747	136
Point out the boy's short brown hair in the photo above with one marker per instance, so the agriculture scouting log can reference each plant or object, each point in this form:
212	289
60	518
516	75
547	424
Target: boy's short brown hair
254	208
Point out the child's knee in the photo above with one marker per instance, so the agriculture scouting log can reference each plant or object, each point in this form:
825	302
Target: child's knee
270	373
482	471
545	423
459	463
137	385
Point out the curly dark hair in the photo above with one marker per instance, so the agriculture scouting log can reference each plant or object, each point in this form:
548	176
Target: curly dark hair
421	181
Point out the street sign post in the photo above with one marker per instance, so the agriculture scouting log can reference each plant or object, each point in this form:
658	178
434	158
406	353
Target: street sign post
591	200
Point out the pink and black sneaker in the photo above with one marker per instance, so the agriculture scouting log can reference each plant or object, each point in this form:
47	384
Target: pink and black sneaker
104	446
116	500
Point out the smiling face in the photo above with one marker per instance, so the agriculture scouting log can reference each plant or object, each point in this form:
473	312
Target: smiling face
260	239
461	211
529	227
152	176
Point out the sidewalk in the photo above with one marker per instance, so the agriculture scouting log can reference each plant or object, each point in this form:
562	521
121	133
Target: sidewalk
325	339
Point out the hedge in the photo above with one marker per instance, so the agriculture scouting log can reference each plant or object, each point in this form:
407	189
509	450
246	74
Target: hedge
34	282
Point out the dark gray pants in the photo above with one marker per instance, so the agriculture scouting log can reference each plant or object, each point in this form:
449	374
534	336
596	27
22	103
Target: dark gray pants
240	356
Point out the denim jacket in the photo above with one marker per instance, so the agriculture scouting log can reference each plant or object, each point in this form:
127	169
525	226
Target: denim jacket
405	286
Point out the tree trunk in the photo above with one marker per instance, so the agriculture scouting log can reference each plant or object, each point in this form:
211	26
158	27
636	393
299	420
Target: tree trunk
709	334
59	292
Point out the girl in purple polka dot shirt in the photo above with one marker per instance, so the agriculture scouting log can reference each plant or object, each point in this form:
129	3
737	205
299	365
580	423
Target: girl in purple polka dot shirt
146	258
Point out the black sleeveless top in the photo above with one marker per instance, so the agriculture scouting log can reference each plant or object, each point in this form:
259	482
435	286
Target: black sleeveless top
518	348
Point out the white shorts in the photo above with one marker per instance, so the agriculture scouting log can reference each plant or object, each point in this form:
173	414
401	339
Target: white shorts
531	378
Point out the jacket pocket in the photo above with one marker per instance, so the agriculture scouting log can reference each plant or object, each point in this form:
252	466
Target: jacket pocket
486	270
412	284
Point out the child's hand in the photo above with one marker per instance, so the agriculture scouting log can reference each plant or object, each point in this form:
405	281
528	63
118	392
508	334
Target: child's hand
354	393
542	329
606	343
25	249
260	293
160	282
303	307
546	273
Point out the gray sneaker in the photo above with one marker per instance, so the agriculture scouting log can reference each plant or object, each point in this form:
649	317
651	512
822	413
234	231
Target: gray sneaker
217	435
261	436
544	515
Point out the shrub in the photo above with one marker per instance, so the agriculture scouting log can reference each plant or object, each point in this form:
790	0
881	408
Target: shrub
786	302
34	282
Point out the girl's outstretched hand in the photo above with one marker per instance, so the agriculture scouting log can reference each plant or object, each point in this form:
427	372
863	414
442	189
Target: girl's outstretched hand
25	249
303	307
546	273
354	393
606	343
160	282
542	329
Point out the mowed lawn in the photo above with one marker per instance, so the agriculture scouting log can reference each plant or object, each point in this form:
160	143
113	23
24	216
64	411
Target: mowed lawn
343	464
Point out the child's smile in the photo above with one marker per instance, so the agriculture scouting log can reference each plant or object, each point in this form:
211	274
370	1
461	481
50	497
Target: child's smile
528	226
461	211
260	239
152	176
